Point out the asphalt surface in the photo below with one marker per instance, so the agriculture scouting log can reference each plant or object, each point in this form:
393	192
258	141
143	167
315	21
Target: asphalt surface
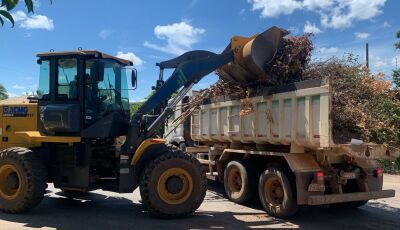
107	210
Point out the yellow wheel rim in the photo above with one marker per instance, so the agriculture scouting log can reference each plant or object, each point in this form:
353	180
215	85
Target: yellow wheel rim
10	182
175	186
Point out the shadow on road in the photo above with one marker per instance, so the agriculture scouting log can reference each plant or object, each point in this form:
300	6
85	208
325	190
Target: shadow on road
97	211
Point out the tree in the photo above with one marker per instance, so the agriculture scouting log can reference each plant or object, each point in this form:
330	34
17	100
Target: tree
3	92
397	44
396	72
8	5
135	106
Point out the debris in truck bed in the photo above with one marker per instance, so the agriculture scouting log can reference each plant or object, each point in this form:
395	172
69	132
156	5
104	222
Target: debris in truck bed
291	60
364	106
287	65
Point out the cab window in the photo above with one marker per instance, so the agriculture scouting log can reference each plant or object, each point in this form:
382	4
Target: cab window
44	80
67	78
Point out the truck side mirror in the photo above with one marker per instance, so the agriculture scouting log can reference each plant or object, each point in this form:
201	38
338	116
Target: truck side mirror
134	78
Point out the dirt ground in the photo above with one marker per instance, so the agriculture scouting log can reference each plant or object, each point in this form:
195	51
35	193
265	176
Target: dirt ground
107	210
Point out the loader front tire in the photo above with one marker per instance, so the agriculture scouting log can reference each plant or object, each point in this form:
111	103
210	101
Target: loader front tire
173	184
23	180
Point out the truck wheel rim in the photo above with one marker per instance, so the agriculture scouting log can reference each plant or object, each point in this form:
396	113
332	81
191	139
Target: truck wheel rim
10	182
175	186
273	191
235	182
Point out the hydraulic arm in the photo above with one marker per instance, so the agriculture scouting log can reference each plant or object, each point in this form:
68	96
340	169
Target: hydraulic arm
190	68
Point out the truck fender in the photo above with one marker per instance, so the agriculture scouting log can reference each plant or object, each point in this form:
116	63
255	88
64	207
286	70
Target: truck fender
147	150
302	162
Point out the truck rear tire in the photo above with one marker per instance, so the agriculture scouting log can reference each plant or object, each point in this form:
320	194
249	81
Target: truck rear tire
23	180
173	184
277	193
239	182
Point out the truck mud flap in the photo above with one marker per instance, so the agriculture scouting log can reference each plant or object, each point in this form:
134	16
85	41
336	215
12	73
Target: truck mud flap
356	196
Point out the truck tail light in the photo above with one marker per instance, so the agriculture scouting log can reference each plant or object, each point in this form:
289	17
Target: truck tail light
319	177
379	172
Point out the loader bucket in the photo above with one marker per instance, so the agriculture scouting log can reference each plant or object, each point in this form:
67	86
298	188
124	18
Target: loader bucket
252	55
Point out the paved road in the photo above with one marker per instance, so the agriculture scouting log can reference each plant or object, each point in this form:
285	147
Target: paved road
106	210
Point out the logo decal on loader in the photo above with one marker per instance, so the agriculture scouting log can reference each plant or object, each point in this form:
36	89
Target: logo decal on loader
15	111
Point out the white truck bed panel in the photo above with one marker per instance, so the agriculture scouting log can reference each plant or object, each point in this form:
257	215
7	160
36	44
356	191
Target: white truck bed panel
299	116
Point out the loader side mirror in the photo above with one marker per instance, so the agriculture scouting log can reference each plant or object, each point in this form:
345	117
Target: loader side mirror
134	78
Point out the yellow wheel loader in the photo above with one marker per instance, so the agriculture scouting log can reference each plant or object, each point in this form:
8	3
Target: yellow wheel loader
78	134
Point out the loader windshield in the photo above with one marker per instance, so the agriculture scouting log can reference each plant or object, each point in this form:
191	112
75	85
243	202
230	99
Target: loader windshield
107	92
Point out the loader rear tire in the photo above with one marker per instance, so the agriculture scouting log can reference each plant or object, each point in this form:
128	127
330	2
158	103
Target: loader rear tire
23	180
174	184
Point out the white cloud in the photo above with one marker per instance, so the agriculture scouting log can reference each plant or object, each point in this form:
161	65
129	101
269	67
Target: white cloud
10	94
337	14
19	16
18	87
317	4
386	24
328	50
38	22
179	36
104	34
361	35
311	28
345	12
293	30
131	57
36	3
30	22
273	8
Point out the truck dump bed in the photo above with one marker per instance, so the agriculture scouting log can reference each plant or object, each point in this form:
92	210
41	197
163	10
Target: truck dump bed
297	115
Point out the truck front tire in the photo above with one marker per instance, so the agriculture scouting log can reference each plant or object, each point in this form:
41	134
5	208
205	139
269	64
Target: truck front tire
277	193
173	184
23	180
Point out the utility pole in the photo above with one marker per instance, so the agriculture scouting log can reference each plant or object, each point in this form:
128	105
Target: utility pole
367	55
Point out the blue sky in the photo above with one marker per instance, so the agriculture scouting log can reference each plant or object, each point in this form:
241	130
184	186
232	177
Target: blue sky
152	31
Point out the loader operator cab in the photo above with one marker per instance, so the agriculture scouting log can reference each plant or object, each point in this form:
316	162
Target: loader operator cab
80	91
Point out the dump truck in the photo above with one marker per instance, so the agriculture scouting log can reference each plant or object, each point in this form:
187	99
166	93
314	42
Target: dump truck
281	150
78	133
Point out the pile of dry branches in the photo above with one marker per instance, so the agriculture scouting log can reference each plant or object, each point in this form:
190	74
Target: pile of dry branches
364	106
290	61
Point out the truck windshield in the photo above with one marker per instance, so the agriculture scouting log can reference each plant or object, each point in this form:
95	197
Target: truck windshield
108	92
